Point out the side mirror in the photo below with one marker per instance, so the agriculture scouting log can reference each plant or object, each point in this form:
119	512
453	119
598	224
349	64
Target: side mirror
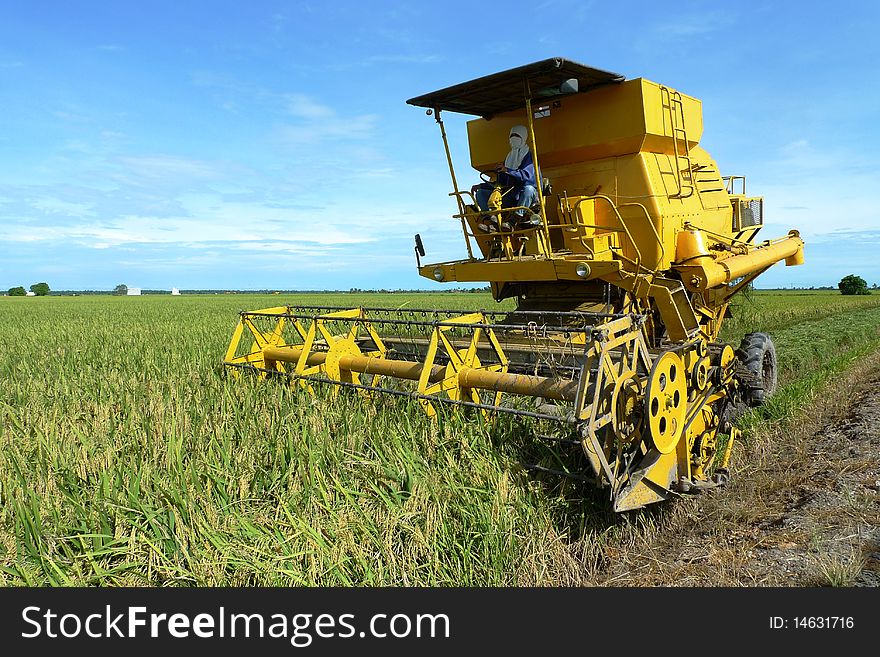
566	87
420	250
570	86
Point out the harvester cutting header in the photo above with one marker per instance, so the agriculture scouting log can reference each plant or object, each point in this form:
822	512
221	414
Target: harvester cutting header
622	260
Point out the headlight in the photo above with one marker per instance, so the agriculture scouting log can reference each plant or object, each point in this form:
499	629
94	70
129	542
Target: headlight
438	273
582	269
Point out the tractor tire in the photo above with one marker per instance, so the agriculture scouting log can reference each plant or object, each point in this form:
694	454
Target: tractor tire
758	368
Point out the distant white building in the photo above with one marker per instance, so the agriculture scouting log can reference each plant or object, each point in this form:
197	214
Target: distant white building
134	292
30	294
175	292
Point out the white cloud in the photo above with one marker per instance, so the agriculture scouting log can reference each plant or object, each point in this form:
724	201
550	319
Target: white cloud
167	166
801	156
57	206
316	122
817	189
208	220
305	107
704	22
27	234
382	172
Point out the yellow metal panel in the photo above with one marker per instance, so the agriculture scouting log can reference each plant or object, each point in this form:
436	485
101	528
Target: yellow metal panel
480	270
710	187
520	270
566	270
658	127
608	121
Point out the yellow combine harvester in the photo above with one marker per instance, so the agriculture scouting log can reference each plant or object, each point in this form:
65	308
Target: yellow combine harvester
622	280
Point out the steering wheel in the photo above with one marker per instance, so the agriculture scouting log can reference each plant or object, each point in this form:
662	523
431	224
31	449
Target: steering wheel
488	176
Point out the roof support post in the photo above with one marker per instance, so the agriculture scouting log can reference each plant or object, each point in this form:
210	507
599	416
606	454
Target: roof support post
461	206
544	245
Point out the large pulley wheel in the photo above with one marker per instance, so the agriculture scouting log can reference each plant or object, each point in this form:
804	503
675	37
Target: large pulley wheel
666	401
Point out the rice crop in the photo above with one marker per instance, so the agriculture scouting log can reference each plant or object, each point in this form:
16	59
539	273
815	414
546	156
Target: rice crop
128	456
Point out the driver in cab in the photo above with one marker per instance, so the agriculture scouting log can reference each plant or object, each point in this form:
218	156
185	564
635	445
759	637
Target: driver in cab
517	180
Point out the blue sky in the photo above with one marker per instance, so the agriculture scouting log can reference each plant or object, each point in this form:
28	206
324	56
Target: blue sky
269	145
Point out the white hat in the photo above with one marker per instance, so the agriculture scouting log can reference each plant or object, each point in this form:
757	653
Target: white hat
520	131
515	156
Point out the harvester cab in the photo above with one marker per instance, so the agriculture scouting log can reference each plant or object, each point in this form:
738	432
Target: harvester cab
622	276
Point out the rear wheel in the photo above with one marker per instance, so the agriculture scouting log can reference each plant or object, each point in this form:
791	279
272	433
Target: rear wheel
757	359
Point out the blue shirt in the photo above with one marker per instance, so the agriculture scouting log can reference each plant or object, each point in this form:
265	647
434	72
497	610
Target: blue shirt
522	175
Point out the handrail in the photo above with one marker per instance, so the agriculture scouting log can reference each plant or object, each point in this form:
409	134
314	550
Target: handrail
461	215
479	213
570	210
464	214
730	184
651	224
622	222
726	239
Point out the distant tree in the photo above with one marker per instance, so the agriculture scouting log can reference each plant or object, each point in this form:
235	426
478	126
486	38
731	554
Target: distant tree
40	289
17	291
853	284
122	289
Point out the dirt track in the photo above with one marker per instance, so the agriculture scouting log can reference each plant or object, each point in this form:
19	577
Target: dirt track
827	528
803	508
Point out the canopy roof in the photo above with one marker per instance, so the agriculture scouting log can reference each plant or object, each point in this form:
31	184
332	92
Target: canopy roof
505	91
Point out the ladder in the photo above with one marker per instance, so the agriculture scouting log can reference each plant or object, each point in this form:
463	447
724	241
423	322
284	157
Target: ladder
671	100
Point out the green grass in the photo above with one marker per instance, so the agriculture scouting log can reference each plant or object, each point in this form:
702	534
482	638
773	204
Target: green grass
817	336
128	458
773	310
